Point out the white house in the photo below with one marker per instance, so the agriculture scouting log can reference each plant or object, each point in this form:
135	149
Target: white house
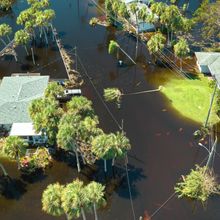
16	94
28	133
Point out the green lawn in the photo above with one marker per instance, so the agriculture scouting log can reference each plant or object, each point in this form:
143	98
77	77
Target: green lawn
191	98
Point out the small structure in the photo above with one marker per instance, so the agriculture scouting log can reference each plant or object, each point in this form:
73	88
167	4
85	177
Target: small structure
16	93
209	63
28	133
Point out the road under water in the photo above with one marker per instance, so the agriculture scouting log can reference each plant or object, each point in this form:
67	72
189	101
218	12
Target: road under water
163	147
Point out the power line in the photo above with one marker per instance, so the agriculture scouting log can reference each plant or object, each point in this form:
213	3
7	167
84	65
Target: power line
120	127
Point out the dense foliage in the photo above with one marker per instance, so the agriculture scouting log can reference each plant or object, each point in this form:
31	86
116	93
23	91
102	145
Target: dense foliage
72	199
199	184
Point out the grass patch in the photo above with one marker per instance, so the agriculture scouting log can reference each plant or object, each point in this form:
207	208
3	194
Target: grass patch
191	98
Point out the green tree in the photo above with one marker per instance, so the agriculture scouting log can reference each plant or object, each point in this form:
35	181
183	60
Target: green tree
208	14
14	147
51	200
80	105
6	4
170	18
158	8
46	114
181	49
156	44
74	200
68	134
53	90
95	193
110	146
22	37
5	31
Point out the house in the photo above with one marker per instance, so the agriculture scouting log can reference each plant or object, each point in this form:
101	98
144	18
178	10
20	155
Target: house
16	93
143	26
27	132
209	63
206	59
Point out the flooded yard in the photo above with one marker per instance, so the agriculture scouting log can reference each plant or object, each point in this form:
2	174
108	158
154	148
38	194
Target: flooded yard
163	147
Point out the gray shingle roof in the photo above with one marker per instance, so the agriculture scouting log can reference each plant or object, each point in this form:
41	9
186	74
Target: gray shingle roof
16	93
206	58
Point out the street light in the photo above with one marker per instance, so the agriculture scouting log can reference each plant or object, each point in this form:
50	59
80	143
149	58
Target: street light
213	149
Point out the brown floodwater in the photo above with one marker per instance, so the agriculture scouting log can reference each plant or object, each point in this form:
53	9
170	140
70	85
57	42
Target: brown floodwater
163	147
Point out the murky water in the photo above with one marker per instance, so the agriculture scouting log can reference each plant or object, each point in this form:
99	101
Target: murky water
162	144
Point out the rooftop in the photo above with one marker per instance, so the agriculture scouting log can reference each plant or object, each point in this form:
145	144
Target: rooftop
16	93
212	60
23	129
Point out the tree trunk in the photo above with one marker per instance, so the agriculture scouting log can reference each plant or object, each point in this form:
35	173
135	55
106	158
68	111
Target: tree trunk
15	55
83	159
3	170
45	34
113	167
51	26
83	214
137	32
25	47
3	41
9	40
33	59
105	166
95	211
77	161
181	65
40	32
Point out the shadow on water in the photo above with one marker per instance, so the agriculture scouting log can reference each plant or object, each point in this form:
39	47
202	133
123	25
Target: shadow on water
12	188
135	175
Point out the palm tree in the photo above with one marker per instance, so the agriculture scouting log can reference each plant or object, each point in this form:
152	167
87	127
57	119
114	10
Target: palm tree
123	11
51	200
5	31
110	146
181	49
114	46
14	147
95	192
171	18
158	8
46	114
75	200
156	43
53	90
43	20
142	15
6	4
22	37
80	105
67	134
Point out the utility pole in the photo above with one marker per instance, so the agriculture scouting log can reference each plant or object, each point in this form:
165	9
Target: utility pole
210	106
213	150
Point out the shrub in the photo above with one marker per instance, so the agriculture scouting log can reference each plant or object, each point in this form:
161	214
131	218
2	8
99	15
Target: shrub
199	184
40	160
